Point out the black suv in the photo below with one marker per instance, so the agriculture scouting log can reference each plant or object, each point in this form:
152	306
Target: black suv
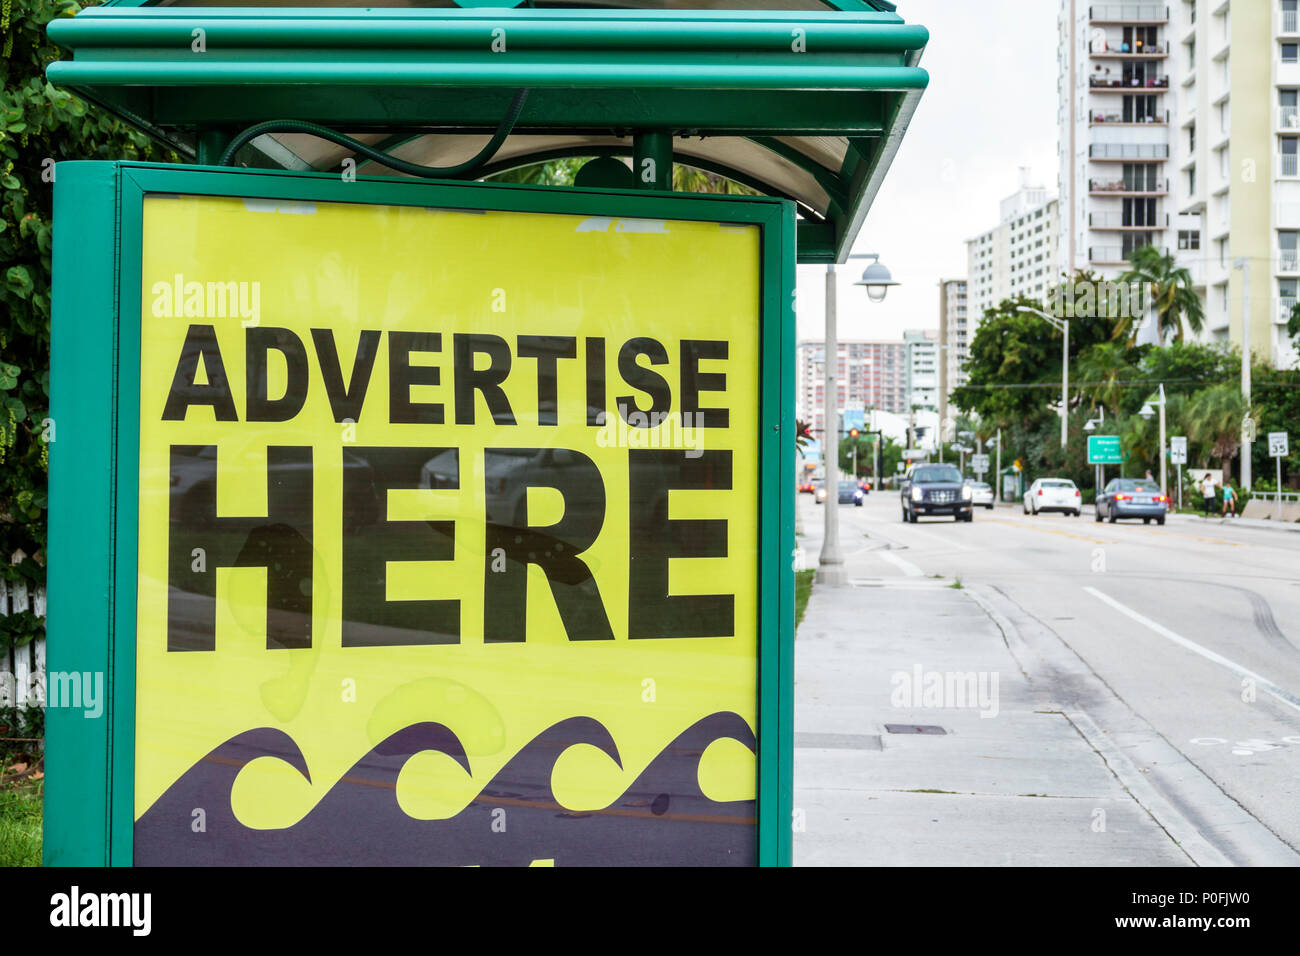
936	490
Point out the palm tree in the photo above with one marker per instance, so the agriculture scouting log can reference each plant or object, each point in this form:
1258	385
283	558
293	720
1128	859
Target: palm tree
1171	290
1103	368
1214	420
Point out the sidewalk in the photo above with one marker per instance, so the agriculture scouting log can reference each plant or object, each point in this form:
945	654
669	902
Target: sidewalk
1267	524
1022	786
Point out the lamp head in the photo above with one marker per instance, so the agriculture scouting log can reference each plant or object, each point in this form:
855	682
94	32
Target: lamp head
877	279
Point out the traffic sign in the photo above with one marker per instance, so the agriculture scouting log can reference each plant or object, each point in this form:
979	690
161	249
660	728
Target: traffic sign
1278	446
1178	450
900	467
1104	450
979	464
914	453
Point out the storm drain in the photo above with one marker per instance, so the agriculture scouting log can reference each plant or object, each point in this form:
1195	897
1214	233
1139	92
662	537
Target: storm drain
914	729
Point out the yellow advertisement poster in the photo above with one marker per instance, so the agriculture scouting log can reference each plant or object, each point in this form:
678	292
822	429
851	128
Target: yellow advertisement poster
448	542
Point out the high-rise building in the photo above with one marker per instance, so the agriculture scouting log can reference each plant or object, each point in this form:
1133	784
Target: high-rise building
922	370
1179	128
1016	257
954	341
869	375
1114	118
1236	191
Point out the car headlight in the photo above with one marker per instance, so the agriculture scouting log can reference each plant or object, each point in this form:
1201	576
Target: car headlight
967	492
916	493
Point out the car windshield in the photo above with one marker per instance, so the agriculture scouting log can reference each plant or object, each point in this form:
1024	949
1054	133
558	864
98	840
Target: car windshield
1133	484
1057	483
848	486
937	473
981	486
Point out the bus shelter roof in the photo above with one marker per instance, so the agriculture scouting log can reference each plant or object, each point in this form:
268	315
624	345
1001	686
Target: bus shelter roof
802	99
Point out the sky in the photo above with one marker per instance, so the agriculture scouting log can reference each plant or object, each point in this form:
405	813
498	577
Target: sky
990	109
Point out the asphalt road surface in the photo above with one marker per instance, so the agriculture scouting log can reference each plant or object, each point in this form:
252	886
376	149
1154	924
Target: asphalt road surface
1195	625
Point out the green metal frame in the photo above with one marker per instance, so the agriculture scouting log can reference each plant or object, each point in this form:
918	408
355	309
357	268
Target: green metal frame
94	488
642	72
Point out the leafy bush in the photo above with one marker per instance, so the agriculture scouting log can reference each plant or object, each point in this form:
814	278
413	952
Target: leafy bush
39	127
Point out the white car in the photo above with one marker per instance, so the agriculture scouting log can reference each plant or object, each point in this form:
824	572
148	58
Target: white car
982	494
1053	494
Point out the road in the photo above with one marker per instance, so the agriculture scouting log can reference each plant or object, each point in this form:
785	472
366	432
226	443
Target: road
1194	625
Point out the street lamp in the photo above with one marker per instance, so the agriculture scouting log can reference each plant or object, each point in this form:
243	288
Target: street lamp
1091	426
877	280
1147	412
1062	326
1247	432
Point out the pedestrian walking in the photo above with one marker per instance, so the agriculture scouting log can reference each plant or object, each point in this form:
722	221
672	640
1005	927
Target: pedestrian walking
1229	500
1207	492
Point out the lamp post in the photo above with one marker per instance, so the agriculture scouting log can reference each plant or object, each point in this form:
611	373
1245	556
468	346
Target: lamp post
1062	326
1097	470
1146	413
997	471
877	280
1247	433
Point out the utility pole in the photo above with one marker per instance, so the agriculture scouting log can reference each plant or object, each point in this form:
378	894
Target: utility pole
1244	265
997	478
831	561
1164	460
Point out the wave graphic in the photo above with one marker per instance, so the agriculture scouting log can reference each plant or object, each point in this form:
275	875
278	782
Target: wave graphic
662	819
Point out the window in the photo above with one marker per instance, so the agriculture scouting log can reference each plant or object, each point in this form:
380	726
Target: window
1191	138
1191	181
1189	239
1289	52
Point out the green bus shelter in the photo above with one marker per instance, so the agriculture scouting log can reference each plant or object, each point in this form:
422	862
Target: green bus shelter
411	516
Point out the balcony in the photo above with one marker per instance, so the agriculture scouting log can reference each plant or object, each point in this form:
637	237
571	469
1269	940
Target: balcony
1288	117
1288	261
1099	119
1113	255
1119	187
1289	22
1128	13
1128	152
1103	50
1104	84
1288	164
1119	221
1284	306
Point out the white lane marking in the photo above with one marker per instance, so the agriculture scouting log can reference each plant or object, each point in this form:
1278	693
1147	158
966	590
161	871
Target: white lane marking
1284	696
907	567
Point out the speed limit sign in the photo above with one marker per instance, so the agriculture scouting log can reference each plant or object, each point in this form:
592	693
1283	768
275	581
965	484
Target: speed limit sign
1277	445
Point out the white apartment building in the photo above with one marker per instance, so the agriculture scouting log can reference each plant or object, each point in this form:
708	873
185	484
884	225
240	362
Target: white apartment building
1236	180
1114	119
922	370
1179	127
1016	257
954	341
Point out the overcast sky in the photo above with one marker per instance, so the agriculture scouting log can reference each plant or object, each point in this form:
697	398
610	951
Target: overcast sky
990	109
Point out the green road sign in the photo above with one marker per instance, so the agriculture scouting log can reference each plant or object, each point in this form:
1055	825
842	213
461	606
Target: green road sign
1104	450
